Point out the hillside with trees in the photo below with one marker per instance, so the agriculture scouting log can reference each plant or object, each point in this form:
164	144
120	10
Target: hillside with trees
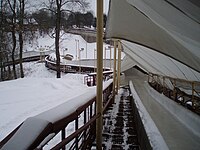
19	25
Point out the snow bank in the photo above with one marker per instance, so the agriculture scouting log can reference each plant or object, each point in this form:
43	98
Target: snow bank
71	105
65	109
23	98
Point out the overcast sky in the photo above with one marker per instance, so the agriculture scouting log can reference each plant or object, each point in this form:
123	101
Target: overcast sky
93	6
37	4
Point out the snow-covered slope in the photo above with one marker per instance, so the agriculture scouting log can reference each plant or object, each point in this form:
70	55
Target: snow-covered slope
37	92
69	44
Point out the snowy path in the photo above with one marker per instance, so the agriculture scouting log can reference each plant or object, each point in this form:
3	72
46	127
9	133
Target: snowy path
175	134
119	131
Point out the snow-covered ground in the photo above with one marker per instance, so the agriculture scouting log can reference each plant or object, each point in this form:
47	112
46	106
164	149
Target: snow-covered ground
40	90
37	92
69	44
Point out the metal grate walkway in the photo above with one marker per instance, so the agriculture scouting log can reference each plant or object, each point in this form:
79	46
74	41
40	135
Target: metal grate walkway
119	132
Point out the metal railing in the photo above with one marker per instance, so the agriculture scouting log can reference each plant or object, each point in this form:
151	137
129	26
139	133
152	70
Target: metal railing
83	119
185	92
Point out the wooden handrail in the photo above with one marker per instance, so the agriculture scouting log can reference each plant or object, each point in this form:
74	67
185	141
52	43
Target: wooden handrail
75	134
61	124
177	79
176	90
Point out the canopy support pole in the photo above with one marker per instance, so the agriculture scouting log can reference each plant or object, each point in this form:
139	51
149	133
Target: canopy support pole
114	69
99	105
119	64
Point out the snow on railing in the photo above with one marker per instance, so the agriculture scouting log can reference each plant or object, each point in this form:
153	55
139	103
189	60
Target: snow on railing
35	132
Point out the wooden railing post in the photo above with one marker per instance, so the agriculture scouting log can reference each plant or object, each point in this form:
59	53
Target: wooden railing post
76	128
163	90
174	91
85	120
114	68
193	101
119	65
157	85
63	137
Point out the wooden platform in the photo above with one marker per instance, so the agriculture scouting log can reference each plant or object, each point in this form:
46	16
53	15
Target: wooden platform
119	131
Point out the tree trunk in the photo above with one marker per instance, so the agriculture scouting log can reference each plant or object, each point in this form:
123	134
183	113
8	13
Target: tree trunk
20	54
58	18
1	61
21	22
1	40
13	9
13	52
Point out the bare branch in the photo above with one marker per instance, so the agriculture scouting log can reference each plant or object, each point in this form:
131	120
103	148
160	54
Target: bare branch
48	9
12	7
65	3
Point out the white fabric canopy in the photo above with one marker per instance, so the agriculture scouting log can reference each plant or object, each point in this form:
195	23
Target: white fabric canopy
170	27
155	62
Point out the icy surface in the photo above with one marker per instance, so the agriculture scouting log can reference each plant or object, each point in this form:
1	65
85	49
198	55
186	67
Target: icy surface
156	139
185	116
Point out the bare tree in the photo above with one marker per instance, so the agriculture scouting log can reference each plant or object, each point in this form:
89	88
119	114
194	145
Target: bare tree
1	39
58	20
61	6
13	23
21	29
4	51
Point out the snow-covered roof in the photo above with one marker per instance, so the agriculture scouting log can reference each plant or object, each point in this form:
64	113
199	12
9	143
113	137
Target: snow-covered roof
169	27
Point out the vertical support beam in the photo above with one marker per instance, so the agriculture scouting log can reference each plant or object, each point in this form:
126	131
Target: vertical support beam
193	95
105	57
114	68
99	105
110	57
94	60
79	59
119	64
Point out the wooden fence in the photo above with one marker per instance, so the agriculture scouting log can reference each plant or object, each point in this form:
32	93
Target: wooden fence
185	92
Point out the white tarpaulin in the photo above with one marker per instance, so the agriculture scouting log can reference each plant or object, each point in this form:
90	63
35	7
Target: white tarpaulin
171	27
155	62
